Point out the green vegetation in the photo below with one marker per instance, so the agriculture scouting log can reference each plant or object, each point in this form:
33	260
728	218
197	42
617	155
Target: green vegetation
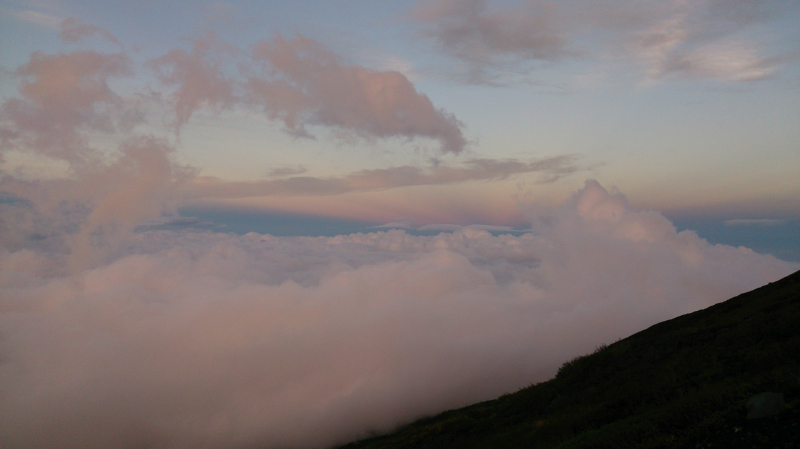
680	383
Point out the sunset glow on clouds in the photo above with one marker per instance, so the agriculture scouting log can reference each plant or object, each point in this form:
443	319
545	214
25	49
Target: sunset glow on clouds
495	169
182	339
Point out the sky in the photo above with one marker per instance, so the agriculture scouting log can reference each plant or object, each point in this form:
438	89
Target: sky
294	223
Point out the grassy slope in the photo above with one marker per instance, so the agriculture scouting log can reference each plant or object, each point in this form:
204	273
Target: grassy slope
679	383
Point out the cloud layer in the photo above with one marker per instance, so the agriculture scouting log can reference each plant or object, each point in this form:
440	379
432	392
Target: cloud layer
184	339
549	169
116	331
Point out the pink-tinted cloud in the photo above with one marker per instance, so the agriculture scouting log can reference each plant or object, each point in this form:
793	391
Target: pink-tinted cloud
183	339
113	337
198	75
89	215
550	169
303	83
63	96
64	100
72	30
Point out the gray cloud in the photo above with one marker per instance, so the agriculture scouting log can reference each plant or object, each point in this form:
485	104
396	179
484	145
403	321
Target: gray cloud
280	172
673	39
754	221
485	38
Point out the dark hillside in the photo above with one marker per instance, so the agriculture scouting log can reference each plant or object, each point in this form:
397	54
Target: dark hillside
682	383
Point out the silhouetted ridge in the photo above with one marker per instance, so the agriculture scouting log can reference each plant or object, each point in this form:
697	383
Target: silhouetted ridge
680	383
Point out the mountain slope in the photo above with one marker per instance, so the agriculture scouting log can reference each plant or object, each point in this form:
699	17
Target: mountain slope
680	383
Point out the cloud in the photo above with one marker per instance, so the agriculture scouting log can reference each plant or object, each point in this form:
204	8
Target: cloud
198	75
454	227
394	224
441	227
90	214
176	222
63	96
39	18
301	83
72	30
304	83
286	171
66	105
449	227
550	169
122	324
699	40
754	221
484	38
216	340
65	101
674	39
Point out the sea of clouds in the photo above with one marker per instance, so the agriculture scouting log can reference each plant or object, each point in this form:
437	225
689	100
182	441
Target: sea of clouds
203	339
118	335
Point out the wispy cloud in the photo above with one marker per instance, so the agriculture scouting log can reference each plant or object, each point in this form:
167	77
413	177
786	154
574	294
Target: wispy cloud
39	18
73	30
486	38
754	222
280	172
394	225
672	39
454	227
548	169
